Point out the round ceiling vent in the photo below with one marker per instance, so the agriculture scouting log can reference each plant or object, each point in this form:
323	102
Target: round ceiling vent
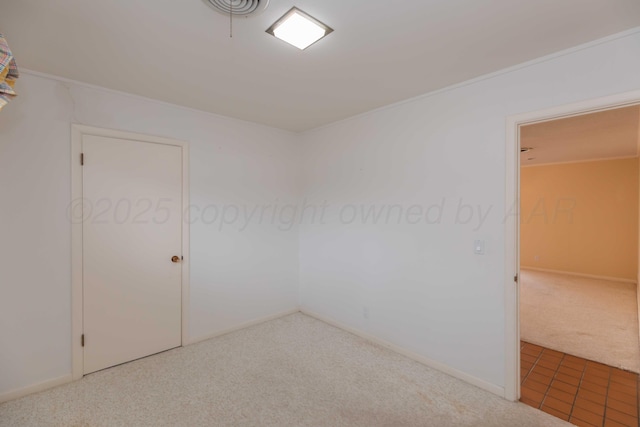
238	7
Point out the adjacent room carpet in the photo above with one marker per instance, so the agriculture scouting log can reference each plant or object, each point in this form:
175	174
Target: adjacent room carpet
590	318
293	371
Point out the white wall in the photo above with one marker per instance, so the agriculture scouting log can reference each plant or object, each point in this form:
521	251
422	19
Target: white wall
236	276
424	288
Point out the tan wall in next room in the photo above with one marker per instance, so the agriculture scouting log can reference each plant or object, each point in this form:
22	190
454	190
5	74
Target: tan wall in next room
581	218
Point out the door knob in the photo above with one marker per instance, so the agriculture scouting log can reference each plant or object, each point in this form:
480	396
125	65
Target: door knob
175	258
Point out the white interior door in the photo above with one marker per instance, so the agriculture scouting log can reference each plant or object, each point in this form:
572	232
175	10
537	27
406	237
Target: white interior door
131	230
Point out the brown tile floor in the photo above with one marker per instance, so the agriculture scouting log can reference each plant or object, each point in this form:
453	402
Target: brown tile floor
577	390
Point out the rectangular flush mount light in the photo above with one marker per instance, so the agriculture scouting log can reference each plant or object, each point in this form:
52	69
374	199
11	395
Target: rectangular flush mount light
299	29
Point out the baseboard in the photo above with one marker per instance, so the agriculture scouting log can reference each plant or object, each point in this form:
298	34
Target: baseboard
243	326
495	389
15	394
11	395
588	276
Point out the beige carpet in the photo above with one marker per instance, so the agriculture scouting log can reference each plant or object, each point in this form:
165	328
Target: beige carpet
293	371
590	318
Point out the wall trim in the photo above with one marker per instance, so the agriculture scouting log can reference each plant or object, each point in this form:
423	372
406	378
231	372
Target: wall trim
65	379
495	389
488	76
573	273
569	162
478	382
130	95
512	216
77	131
507	70
34	388
243	326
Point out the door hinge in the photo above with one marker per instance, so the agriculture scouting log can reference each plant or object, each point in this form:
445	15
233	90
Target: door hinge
82	159
515	278
82	340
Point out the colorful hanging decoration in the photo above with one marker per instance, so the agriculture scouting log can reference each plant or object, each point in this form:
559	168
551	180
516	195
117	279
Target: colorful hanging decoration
8	73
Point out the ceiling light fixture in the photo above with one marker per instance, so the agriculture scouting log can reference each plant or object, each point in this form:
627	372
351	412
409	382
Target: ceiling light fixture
298	29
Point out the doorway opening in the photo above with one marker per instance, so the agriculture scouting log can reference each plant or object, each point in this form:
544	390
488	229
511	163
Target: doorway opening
515	348
580	352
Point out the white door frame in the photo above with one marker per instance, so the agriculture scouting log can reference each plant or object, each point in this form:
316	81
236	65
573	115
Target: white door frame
512	223
77	132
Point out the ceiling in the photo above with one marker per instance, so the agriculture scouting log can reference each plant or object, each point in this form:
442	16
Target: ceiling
602	135
380	52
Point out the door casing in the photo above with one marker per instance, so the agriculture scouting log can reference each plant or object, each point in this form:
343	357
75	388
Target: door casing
512	223
77	133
